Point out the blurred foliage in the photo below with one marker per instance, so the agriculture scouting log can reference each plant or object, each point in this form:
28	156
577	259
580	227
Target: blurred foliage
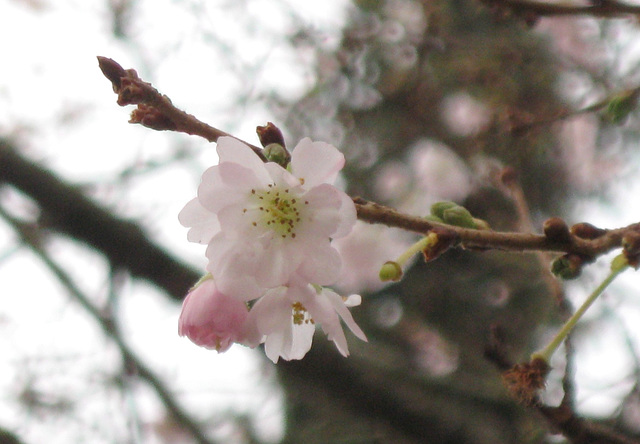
382	92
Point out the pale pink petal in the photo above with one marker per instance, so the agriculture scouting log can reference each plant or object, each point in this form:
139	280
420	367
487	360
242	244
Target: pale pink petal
322	265
292	343
233	268
233	151
271	311
226	184
203	223
353	300
281	177
212	319
322	215
322	311
237	223
348	214
341	308
316	162
278	262
272	314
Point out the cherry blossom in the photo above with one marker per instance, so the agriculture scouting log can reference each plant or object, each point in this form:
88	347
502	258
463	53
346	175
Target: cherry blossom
212	319
286	317
263	223
269	233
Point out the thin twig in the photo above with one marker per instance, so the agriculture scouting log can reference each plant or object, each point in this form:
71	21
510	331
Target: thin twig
155	110
507	182
487	239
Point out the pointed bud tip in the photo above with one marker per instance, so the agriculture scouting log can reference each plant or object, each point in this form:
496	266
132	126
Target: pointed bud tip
270	133
112	71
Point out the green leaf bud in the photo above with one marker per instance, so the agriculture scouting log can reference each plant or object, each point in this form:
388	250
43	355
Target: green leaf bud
438	208
274	152
619	262
481	224
621	106
568	266
459	216
432	218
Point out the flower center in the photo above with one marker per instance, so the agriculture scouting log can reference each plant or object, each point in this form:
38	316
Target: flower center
300	314
279	210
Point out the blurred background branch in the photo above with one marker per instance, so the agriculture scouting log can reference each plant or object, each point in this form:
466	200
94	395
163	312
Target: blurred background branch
108	322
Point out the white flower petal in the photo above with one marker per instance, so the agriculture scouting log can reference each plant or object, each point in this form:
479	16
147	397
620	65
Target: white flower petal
234	151
349	216
277	263
233	268
353	300
271	311
323	312
292	343
316	162
272	314
321	265
340	307
226	184
203	223
282	177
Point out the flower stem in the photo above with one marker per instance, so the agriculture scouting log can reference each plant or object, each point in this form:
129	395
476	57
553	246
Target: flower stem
416	248
617	267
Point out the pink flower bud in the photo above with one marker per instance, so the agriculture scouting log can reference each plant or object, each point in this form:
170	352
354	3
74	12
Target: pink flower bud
212	319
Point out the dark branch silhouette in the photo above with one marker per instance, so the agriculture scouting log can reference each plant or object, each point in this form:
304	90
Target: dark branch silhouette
66	210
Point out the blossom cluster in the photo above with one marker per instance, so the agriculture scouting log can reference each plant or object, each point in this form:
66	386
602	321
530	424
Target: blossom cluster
269	232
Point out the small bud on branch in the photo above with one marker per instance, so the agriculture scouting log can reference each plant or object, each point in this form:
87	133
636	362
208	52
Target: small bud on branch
556	230
132	90
585	230
569	266
269	134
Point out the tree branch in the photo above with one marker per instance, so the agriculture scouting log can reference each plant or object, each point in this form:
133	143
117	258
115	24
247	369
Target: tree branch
155	110
109	328
487	239
562	418
65	209
602	8
158	112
